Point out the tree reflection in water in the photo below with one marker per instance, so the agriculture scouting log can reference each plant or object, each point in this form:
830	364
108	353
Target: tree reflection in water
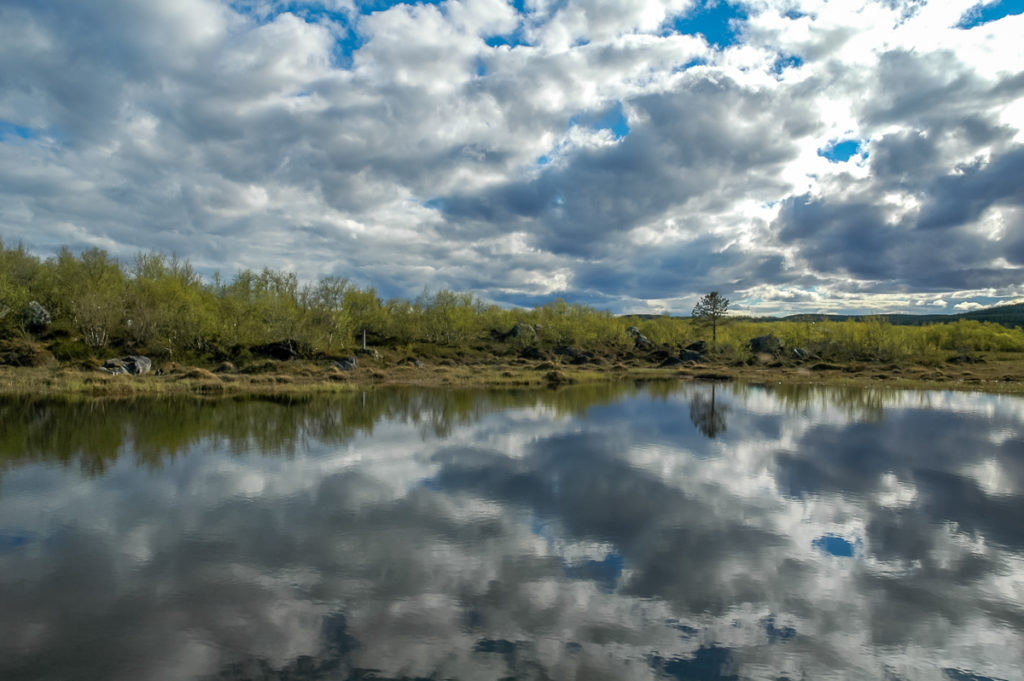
707	415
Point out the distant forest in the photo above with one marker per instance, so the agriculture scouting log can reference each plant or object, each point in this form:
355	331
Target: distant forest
91	306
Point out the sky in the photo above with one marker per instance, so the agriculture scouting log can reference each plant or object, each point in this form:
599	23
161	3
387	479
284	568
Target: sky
852	156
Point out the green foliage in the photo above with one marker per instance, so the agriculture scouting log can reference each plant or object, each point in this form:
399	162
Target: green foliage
159	305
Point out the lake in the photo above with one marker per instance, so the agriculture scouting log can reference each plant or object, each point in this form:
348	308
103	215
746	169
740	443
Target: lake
661	531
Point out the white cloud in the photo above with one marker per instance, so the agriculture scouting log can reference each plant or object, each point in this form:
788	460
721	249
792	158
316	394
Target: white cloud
246	135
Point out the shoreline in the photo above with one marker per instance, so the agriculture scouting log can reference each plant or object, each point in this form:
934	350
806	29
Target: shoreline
998	375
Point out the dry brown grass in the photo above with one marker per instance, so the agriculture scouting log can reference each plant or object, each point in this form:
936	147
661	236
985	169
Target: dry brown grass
1002	374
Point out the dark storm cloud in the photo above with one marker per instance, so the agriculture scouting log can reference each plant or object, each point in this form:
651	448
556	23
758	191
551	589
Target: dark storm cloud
704	140
929	249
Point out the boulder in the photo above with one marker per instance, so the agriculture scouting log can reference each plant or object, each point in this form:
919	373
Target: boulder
671	362
799	354
700	347
769	344
691	356
37	317
570	351
521	331
135	365
641	341
532	352
347	363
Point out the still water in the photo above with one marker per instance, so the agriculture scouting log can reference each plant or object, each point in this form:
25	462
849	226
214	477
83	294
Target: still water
617	532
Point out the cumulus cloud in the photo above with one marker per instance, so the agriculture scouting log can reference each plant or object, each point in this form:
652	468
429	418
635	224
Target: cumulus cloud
637	152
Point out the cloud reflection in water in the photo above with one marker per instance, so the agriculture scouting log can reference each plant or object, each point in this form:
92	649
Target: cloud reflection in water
595	534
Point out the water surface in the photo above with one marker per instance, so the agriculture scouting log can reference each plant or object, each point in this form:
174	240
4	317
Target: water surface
613	532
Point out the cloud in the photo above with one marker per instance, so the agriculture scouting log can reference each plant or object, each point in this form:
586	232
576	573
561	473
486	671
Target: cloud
602	137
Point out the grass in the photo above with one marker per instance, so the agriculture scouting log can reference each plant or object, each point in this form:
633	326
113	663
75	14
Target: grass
998	373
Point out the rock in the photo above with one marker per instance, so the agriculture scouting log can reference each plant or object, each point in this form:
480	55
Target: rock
570	351
641	341
583	358
37	316
135	365
660	354
691	356
799	354
522	331
700	347
531	352
671	362
769	344
347	364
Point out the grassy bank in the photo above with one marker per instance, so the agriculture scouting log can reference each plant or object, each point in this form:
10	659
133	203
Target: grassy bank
999	373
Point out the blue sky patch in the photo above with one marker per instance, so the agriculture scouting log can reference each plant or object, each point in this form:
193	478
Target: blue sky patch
986	13
12	131
605	572
14	540
834	546
784	62
613	119
697	61
840	152
511	39
718	21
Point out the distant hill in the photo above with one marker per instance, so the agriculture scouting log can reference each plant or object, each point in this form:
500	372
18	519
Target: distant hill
1007	315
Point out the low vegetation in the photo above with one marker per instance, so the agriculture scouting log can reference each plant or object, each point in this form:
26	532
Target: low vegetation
60	318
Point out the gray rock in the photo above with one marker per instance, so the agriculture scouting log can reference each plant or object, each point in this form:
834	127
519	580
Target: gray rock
799	354
347	364
135	365
641	341
521	330
671	362
769	344
37	316
691	356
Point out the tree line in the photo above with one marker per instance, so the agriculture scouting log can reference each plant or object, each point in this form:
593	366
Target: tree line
90	305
